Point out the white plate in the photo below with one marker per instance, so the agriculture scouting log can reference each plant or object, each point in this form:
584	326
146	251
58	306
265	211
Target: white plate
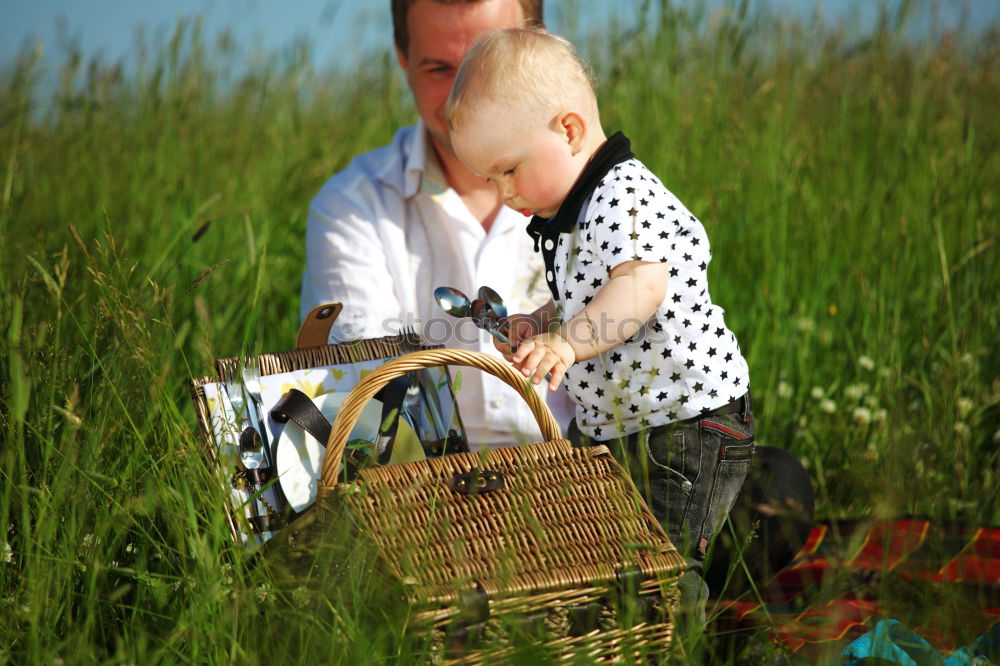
300	456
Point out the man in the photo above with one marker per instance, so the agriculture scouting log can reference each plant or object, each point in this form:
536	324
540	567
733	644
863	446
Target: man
408	217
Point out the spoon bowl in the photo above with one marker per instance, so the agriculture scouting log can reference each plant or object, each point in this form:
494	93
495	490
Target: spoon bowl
494	301
453	301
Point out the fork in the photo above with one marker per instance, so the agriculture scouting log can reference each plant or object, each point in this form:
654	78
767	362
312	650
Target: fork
251	383
248	459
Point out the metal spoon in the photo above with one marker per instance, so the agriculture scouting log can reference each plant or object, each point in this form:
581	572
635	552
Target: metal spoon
497	312
457	304
487	320
480	314
453	301
494	301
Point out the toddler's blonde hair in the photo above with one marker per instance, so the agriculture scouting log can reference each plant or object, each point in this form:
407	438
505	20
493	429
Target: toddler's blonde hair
524	67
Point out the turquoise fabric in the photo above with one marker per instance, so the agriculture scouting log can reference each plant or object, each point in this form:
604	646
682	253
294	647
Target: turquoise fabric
890	642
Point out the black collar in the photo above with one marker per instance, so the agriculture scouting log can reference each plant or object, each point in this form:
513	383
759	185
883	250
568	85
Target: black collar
615	150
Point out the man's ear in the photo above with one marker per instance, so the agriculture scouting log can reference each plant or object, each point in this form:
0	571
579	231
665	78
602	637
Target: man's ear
573	127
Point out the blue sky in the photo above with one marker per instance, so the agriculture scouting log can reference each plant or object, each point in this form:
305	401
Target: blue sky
336	29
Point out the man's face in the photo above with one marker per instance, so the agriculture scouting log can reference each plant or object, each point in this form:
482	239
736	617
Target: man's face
440	36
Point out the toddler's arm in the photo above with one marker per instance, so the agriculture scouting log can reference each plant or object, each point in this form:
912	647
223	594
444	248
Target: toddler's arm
619	308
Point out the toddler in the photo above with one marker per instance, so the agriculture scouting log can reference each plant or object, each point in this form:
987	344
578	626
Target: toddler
644	352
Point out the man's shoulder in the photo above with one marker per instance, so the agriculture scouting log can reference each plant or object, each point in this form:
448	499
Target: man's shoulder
376	173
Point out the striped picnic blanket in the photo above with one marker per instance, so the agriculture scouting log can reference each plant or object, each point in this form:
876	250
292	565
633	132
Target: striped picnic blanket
942	581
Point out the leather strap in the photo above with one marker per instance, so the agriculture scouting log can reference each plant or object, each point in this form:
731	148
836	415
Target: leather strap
315	330
296	406
391	395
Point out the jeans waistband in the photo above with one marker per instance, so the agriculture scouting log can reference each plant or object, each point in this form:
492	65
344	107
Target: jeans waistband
742	406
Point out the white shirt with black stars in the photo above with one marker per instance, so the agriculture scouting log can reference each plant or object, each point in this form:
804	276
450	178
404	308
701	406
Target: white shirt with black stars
684	361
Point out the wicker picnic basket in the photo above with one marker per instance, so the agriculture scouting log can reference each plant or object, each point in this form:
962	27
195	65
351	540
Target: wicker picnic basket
542	535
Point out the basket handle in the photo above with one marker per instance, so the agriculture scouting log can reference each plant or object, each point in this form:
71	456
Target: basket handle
350	410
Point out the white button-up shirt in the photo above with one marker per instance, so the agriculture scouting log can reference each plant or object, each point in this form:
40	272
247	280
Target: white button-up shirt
384	233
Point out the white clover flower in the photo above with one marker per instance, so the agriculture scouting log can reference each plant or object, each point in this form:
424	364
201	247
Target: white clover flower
130	548
964	407
784	390
817	393
880	416
884	372
264	593
301	595
862	415
961	429
855	391
6	553
871	401
805	324
89	541
828	406
114	564
866	363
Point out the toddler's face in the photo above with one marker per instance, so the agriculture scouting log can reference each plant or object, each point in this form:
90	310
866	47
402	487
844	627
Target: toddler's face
529	158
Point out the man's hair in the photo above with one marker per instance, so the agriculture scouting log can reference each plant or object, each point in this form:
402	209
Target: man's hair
532	10
524	67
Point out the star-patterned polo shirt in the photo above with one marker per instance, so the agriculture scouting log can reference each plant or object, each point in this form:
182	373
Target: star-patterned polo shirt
681	363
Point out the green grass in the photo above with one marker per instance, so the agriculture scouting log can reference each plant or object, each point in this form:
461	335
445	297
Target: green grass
152	222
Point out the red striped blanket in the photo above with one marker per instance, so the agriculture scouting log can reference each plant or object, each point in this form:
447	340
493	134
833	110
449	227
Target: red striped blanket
940	580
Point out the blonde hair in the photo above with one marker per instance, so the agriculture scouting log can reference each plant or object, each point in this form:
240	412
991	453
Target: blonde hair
525	67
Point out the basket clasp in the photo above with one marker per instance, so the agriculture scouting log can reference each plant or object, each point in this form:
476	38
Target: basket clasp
476	481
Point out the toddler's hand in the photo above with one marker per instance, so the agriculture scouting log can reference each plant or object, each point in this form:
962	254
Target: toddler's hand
544	353
519	327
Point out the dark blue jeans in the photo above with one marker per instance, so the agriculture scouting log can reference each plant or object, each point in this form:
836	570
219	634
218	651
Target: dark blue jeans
689	474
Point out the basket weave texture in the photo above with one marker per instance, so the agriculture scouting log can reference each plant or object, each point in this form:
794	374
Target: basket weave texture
564	528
